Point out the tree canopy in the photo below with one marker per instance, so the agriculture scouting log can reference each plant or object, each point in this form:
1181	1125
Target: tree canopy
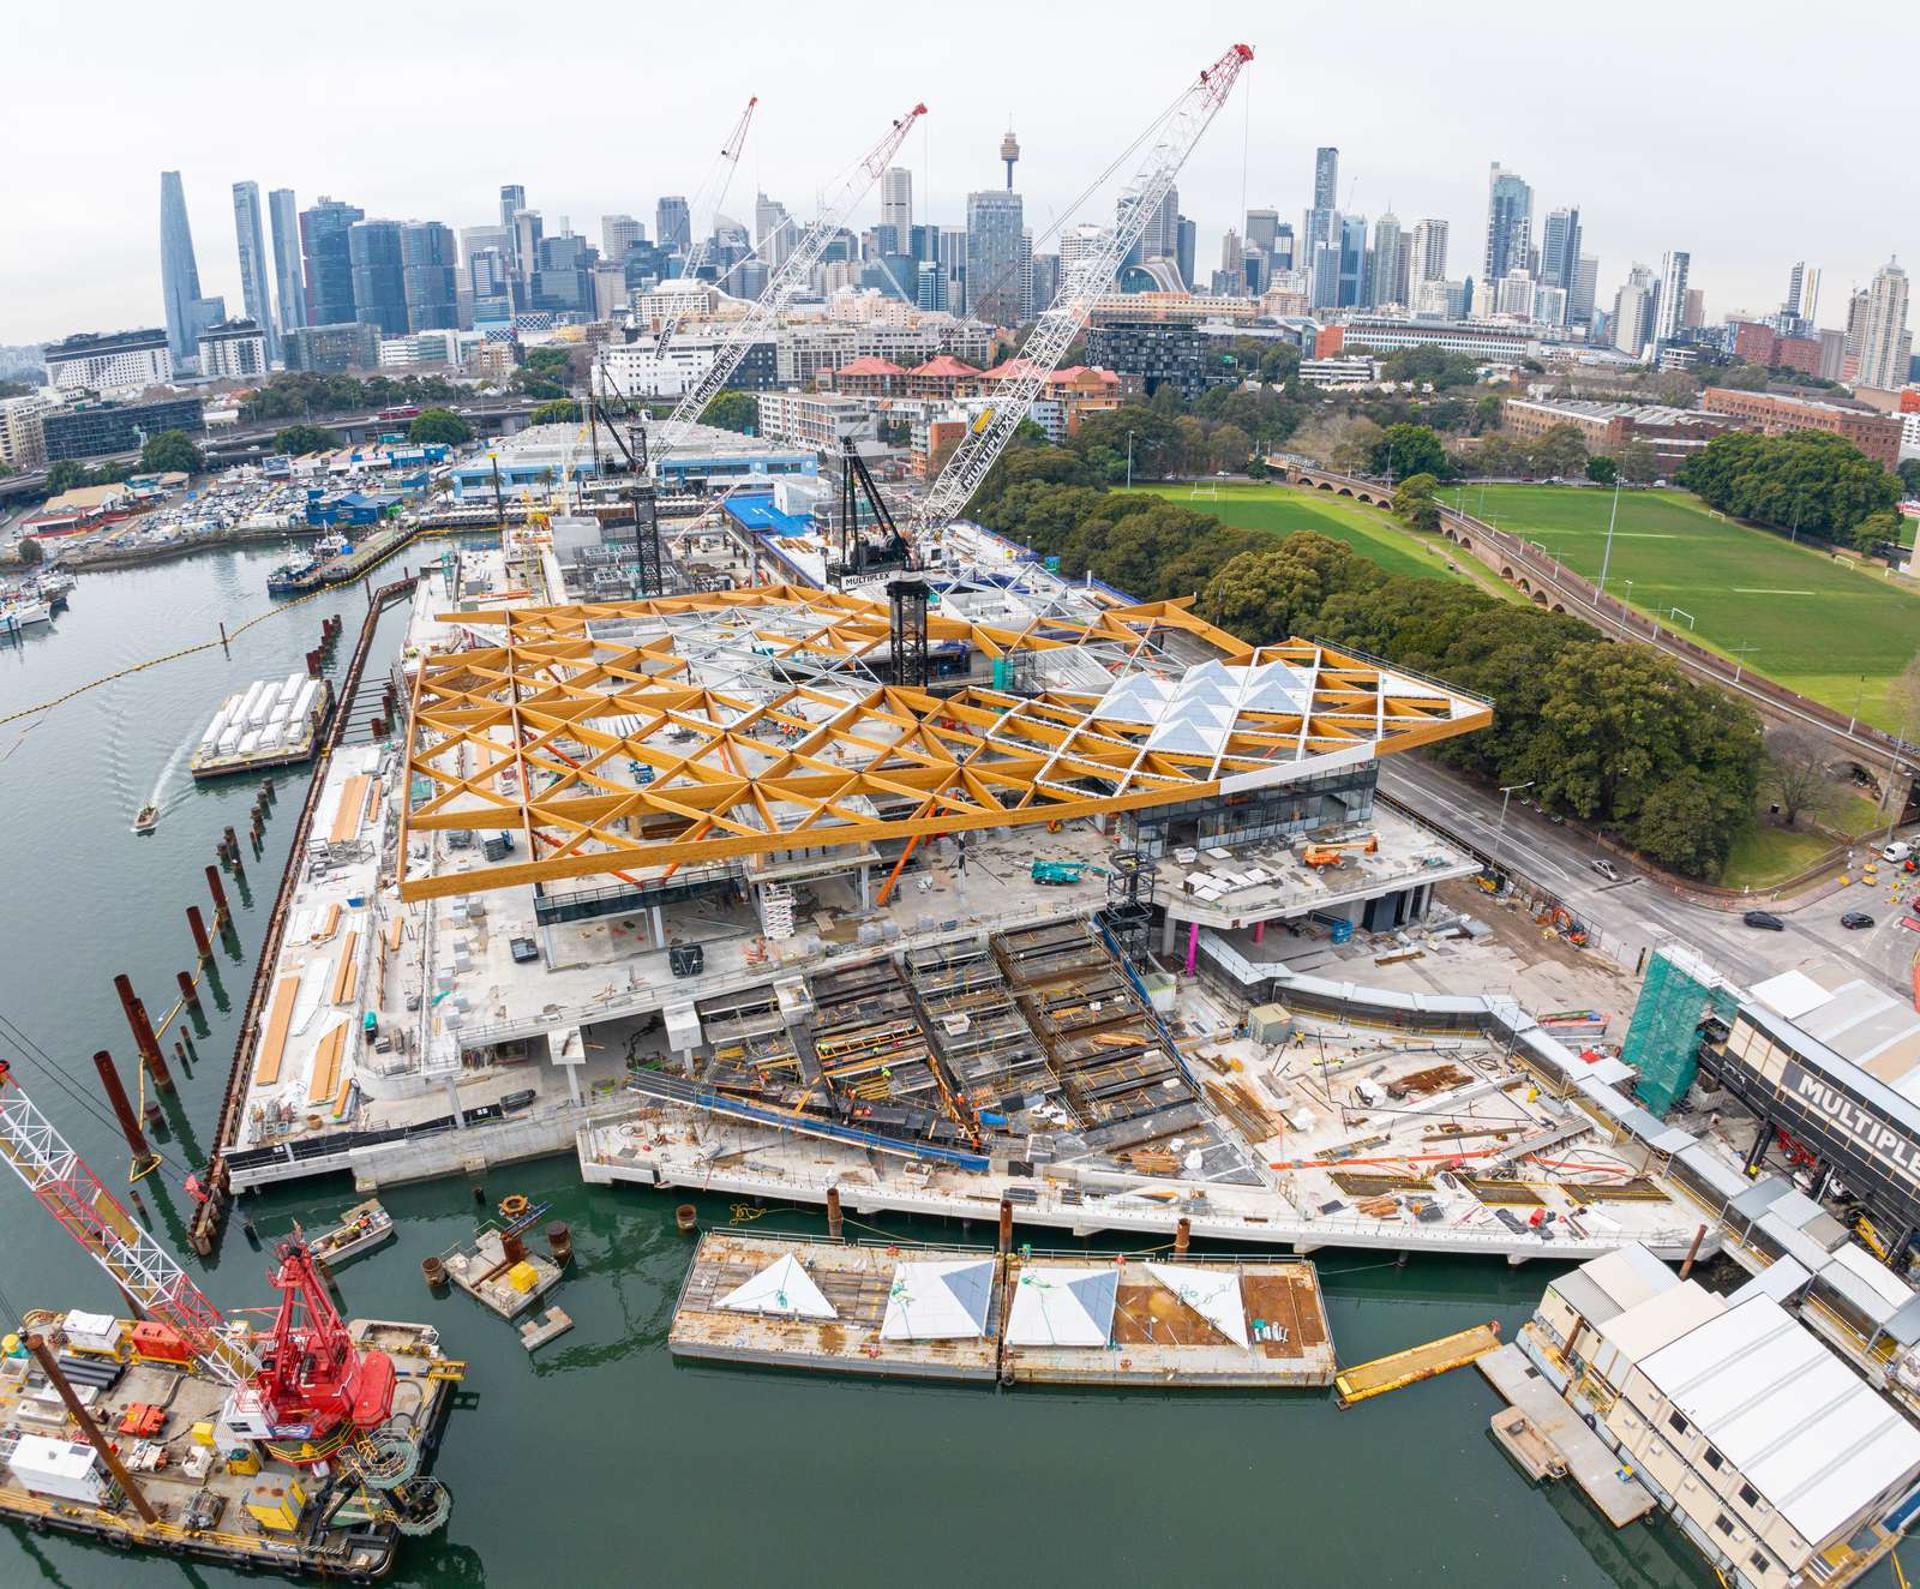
169	452
1410	449
440	426
732	410
557	411
298	440
1809	482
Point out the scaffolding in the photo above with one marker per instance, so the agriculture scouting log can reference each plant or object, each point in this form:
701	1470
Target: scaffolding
1681	992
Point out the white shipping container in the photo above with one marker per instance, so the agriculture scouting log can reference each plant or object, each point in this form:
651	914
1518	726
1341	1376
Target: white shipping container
279	713
68	1469
292	687
91	1332
247	701
303	703
230	742
218	725
250	742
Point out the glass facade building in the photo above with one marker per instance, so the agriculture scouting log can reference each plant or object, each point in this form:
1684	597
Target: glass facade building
250	238
379	276
329	260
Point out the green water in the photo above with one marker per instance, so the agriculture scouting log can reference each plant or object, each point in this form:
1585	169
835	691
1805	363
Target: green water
600	1461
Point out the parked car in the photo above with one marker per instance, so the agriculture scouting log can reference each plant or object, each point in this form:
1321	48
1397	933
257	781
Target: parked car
1764	919
1606	869
1898	850
1855	919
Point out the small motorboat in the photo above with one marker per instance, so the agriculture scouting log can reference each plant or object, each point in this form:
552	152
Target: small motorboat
148	820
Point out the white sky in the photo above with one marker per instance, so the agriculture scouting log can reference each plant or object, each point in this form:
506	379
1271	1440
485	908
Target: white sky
1751	132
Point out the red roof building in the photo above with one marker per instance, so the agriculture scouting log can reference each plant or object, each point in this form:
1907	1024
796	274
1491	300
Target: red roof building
943	377
869	376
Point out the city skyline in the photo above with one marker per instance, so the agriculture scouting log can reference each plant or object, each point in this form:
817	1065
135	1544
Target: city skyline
1426	153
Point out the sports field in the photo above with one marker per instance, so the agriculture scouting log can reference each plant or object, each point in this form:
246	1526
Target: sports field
1284	509
1814	623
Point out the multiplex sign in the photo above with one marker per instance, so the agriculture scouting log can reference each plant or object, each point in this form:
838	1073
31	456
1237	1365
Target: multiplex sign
1879	1140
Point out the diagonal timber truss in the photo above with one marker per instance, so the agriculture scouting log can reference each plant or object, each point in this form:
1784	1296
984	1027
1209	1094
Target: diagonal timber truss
648	734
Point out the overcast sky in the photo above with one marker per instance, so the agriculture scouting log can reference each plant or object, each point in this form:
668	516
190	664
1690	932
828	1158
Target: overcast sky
1752	132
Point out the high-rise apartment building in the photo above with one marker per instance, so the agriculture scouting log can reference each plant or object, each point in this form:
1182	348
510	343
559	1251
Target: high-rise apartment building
324	228
379	276
188	314
113	364
1386	278
773	231
250	238
288	287
233	350
673	225
1077	243
1428	252
1856	333
1509	225
1320	226
618	233
1633	312
428	262
1161	238
1886	346
1803	291
1670	313
1560	251
896	201
995	232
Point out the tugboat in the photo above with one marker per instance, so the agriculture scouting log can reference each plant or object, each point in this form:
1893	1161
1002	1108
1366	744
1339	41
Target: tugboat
148	820
291	579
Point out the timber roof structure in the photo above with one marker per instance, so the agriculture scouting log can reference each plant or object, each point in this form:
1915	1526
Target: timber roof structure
638	736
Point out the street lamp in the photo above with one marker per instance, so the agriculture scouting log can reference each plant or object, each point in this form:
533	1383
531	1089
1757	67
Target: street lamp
1500	832
1129	460
1626	610
1740	661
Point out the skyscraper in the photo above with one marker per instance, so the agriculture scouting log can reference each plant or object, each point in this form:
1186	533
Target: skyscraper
1161	238
1803	291
513	199
773	231
188	314
995	224
250	237
1384	281
1887	346
1509	224
1586	287
618	233
1352	244
1856	333
1186	247
896	202
1263	226
1560	249
1633	312
379	276
1280	255
1670	313
1326	199
427	261
329	260
1429	251
673	225
292	293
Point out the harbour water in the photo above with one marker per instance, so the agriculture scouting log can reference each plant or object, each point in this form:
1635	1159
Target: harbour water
599	1461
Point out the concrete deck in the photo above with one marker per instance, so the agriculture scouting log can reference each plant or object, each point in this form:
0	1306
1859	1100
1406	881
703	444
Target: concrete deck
1593	1467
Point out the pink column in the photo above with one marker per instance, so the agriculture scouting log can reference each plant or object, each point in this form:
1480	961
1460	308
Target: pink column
1193	947
1259	932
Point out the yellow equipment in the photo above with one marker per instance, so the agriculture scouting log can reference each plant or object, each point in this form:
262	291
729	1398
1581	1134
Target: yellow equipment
1334	854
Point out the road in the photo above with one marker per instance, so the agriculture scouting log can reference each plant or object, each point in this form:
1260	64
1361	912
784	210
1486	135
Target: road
1636	912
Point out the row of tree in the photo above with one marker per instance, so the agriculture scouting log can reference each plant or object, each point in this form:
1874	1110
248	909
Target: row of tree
302	394
1614	734
1807	483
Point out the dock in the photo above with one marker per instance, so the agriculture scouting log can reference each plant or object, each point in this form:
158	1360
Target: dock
1593	1467
501	1273
272	723
1400	1369
969	1314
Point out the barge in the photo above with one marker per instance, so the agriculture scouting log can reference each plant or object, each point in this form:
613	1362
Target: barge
272	723
218	1495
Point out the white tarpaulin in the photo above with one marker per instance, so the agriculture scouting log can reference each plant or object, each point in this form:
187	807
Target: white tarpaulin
1063	1307
1214	1294
783	1288
940	1301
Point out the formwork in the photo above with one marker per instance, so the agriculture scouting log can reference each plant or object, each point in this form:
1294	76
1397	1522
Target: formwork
1663	1041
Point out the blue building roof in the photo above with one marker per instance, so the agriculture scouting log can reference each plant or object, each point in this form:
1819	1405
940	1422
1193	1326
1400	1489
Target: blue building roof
755	511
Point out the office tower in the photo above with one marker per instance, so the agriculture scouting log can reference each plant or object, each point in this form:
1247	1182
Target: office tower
1694	315
1186	246
379	276
324	229
1383	269
188	314
1428	251
1323	275
1281	255
1633	312
1586	287
1079	242
1161	237
513	199
1509	224
1009	152
427	261
562	278
250	239
1803	291
773	231
1352	243
1319	226
291	291
995	225
896	201
527	235
618	233
1885	344
952	262
1231	278
673	225
1670	310
1263	226
1560	249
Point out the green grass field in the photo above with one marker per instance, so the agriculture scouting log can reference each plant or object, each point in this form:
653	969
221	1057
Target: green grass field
1285	509
1820	626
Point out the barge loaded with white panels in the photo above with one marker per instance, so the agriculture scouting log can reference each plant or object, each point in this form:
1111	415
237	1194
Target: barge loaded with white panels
272	723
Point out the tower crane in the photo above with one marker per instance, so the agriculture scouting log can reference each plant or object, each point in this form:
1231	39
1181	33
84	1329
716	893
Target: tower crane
716	182
1056	328
785	283
307	1394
